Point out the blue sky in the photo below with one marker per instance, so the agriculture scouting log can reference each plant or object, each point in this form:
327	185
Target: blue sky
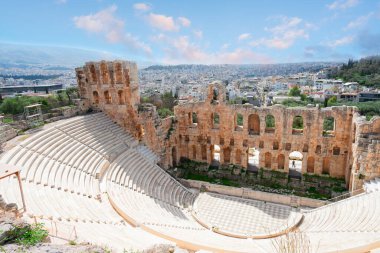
200	31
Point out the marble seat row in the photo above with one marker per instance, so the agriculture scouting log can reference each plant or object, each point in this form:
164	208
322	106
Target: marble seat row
132	171
360	213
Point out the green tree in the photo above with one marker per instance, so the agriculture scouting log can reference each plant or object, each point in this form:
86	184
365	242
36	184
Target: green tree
331	101
295	92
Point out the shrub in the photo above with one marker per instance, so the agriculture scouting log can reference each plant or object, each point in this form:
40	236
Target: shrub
27	235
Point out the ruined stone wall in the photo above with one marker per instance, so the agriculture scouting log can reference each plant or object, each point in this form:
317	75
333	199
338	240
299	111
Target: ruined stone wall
112	87
366	151
349	150
321	154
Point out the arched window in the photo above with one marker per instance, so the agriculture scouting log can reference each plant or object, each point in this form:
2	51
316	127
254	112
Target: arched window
270	123
268	160
107	97
121	97
329	127
215	93
93	74
194	118
215	120
336	151
275	145
297	125
95	96
254	124
239	122
318	149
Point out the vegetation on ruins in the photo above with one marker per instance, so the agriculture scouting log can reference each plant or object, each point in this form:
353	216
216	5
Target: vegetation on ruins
310	185
164	103
26	235
368	109
365	71
15	105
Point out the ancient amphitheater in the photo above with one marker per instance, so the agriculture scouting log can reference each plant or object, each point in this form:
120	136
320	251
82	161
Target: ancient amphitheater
95	176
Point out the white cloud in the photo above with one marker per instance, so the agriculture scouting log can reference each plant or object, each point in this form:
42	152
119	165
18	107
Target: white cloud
162	22
105	23
142	7
359	22
184	21
342	4
342	41
285	34
244	36
181	50
198	34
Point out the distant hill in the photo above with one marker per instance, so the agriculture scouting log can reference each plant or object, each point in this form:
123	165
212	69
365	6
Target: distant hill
365	71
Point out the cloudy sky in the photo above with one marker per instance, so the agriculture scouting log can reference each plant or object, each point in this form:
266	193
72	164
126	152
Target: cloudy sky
200	31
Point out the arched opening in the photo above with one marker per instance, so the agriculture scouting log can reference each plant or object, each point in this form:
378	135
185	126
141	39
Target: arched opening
326	166
295	164
270	123
95	96
194	119
215	93
121	97
174	157
329	127
253	159
297	126
215	120
107	97
254	124
194	151
238	156
336	151
275	145
227	155
215	154
118	73
268	160
281	162
104	73
204	152
318	149
239	122
310	164
93	73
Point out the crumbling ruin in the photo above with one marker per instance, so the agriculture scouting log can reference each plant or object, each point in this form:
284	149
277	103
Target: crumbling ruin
214	131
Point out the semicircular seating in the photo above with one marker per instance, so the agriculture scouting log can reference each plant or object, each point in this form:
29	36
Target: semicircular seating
88	173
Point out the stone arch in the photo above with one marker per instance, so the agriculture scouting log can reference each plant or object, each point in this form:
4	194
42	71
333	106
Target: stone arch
216	93
275	145
95	96
194	118
310	164
93	73
281	161
268	160
238	156
270	123
215	118
295	164
107	97
118	73
253	159
254	124
297	125
326	165
215	155
239	120
227	155
328	127
336	150
121	97
104	73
